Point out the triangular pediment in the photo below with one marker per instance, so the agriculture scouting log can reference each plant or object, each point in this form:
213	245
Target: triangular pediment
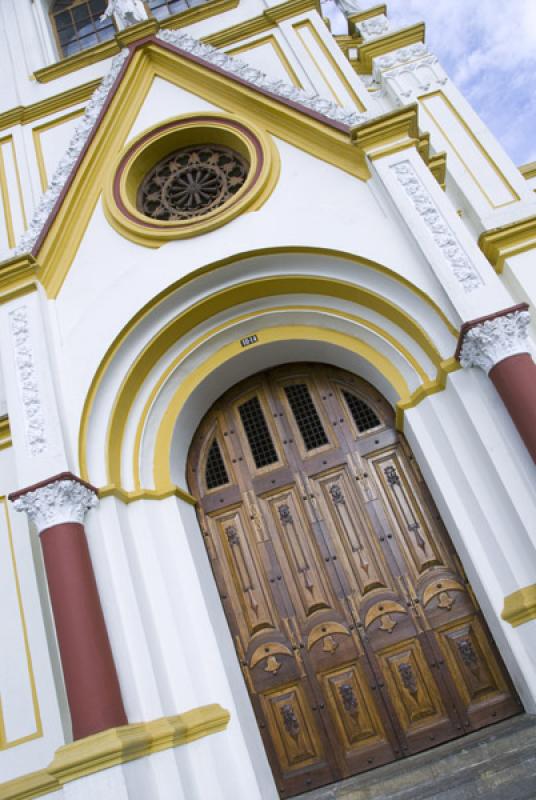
292	116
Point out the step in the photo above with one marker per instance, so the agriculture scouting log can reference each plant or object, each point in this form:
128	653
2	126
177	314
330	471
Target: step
496	763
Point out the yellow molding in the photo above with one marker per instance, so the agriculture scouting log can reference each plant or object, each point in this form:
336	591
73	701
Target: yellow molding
260	24
199	13
284	284
520	607
438	167
396	128
43	108
146	494
77	61
18	276
387	44
509	240
164	376
136	32
528	170
117	746
5	433
375	11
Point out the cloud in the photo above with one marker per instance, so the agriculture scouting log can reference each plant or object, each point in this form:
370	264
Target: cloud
488	47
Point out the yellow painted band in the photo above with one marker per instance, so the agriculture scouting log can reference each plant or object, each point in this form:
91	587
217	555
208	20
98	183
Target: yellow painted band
162	452
235	320
117	746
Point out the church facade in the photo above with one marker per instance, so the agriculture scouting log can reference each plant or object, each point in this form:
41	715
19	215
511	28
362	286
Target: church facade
268	401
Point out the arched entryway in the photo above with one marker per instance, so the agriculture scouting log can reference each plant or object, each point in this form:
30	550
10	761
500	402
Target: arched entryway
359	637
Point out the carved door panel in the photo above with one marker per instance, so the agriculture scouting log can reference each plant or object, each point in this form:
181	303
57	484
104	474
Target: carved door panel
359	638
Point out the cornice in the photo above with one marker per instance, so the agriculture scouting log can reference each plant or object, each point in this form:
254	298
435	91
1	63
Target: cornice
388	133
117	746
136	32
509	240
18	276
520	607
90	56
528	170
387	44
50	105
5	433
375	11
146	494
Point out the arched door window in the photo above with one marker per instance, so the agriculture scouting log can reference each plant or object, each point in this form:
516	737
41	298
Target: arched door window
77	24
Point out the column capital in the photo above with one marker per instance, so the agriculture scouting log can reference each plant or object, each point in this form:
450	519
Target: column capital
489	340
58	500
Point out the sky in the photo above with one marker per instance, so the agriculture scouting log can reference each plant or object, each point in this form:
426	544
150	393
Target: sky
488	47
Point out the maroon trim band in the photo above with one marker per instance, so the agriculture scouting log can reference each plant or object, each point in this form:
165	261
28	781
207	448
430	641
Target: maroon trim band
62	476
479	320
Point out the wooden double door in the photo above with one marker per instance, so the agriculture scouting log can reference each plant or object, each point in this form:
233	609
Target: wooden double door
359	637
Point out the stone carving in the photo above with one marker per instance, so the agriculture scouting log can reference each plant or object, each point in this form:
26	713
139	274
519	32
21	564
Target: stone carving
232	535
467	652
336	493
128	12
400	57
349	700
460	265
27	378
374	27
493	340
76	145
285	515
240	69
57	503
409	680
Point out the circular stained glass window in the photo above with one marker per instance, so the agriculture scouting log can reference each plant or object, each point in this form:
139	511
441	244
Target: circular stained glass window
191	182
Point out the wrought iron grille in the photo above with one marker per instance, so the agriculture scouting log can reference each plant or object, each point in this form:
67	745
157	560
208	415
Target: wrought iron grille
306	416
77	24
215	472
364	417
258	435
192	182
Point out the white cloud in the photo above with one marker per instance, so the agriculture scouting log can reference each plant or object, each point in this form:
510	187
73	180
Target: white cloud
489	49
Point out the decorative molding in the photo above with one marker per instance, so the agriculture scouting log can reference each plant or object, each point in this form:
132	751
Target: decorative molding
400	44
528	170
63	170
34	419
18	276
487	343
520	606
373	27
401	57
460	265
508	241
117	746
75	62
240	69
62	499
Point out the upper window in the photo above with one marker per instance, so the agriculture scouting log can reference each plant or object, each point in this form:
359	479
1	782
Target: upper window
166	8
77	24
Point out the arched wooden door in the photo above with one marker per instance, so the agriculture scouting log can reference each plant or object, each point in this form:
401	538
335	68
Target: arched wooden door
359	637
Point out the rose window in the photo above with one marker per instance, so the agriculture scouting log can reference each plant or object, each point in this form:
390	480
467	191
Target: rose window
191	182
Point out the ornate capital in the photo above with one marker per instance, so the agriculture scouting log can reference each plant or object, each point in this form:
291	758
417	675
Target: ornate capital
493	340
59	500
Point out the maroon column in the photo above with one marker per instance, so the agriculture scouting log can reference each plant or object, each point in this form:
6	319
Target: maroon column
88	667
498	344
515	380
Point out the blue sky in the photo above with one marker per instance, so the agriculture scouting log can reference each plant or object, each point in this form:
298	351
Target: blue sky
488	47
